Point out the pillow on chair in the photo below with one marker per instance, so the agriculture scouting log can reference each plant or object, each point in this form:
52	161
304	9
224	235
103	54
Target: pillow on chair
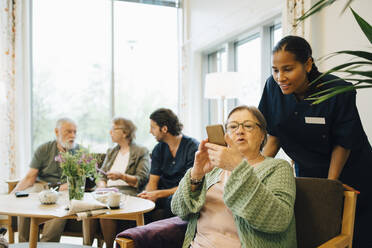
318	210
157	234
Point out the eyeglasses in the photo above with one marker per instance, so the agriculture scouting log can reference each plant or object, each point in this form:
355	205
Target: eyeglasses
247	126
116	129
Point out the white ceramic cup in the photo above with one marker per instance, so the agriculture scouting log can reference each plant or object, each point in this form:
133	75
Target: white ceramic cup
114	199
101	196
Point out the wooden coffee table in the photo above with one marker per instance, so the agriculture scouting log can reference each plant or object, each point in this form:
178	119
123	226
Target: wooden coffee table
132	208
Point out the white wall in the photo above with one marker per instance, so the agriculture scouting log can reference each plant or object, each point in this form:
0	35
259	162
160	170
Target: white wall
332	31
207	23
210	22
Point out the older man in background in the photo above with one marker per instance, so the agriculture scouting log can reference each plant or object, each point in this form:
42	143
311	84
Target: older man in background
43	170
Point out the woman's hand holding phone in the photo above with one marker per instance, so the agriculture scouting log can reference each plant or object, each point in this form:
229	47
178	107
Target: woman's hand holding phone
202	164
227	158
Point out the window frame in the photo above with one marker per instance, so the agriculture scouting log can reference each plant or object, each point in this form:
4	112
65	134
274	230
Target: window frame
265	31
167	3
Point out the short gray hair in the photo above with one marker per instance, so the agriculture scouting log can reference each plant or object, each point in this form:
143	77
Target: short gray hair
64	120
259	116
127	126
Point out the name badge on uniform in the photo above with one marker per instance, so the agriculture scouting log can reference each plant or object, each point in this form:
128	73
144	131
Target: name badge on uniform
315	120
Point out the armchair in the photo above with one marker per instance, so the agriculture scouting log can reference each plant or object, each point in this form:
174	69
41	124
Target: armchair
324	218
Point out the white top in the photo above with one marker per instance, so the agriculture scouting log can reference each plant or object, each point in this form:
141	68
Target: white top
120	165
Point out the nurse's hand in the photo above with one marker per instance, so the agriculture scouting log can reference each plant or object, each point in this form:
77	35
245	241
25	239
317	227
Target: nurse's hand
202	164
227	158
349	188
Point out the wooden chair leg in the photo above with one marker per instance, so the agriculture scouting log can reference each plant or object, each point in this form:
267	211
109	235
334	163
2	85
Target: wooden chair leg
10	230
125	243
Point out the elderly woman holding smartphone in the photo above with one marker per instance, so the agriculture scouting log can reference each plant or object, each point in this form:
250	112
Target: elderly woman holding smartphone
235	197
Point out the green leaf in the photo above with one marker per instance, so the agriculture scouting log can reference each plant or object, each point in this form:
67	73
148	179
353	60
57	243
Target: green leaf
315	8
366	28
360	73
336	92
361	54
337	69
355	64
358	81
335	88
330	81
346	6
367	74
327	90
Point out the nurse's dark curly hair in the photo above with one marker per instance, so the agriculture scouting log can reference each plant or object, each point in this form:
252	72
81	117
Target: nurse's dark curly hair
165	117
302	51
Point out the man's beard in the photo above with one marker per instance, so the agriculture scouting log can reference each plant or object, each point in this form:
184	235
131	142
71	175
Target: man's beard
66	145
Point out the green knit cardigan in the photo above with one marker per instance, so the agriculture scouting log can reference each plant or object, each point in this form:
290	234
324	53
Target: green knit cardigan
261	199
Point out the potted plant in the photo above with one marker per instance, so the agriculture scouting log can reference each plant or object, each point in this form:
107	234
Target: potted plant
76	167
359	78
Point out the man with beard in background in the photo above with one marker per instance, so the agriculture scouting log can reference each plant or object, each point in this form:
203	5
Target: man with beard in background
43	170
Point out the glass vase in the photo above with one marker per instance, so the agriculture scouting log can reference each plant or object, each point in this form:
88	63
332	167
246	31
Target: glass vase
76	187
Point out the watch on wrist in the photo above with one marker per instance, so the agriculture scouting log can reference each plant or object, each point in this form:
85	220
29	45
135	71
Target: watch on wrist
196	181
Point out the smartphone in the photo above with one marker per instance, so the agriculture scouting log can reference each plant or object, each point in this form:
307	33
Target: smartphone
54	186
216	135
21	194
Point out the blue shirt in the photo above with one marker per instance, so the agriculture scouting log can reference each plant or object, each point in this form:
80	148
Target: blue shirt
308	133
172	169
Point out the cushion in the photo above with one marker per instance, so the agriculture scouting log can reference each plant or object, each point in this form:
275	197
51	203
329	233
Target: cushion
166	233
318	210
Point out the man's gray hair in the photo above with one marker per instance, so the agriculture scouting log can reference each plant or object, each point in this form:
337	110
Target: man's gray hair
64	120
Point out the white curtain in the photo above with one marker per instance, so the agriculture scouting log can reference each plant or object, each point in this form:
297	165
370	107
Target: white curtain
11	77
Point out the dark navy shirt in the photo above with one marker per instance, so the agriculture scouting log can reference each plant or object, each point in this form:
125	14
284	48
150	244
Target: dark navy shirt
172	169
308	133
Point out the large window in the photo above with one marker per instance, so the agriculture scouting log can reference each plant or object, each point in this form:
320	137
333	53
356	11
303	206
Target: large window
276	34
250	55
146	63
93	59
217	62
248	61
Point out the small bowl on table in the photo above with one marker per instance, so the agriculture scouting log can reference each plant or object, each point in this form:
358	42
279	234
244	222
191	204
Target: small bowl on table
48	196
